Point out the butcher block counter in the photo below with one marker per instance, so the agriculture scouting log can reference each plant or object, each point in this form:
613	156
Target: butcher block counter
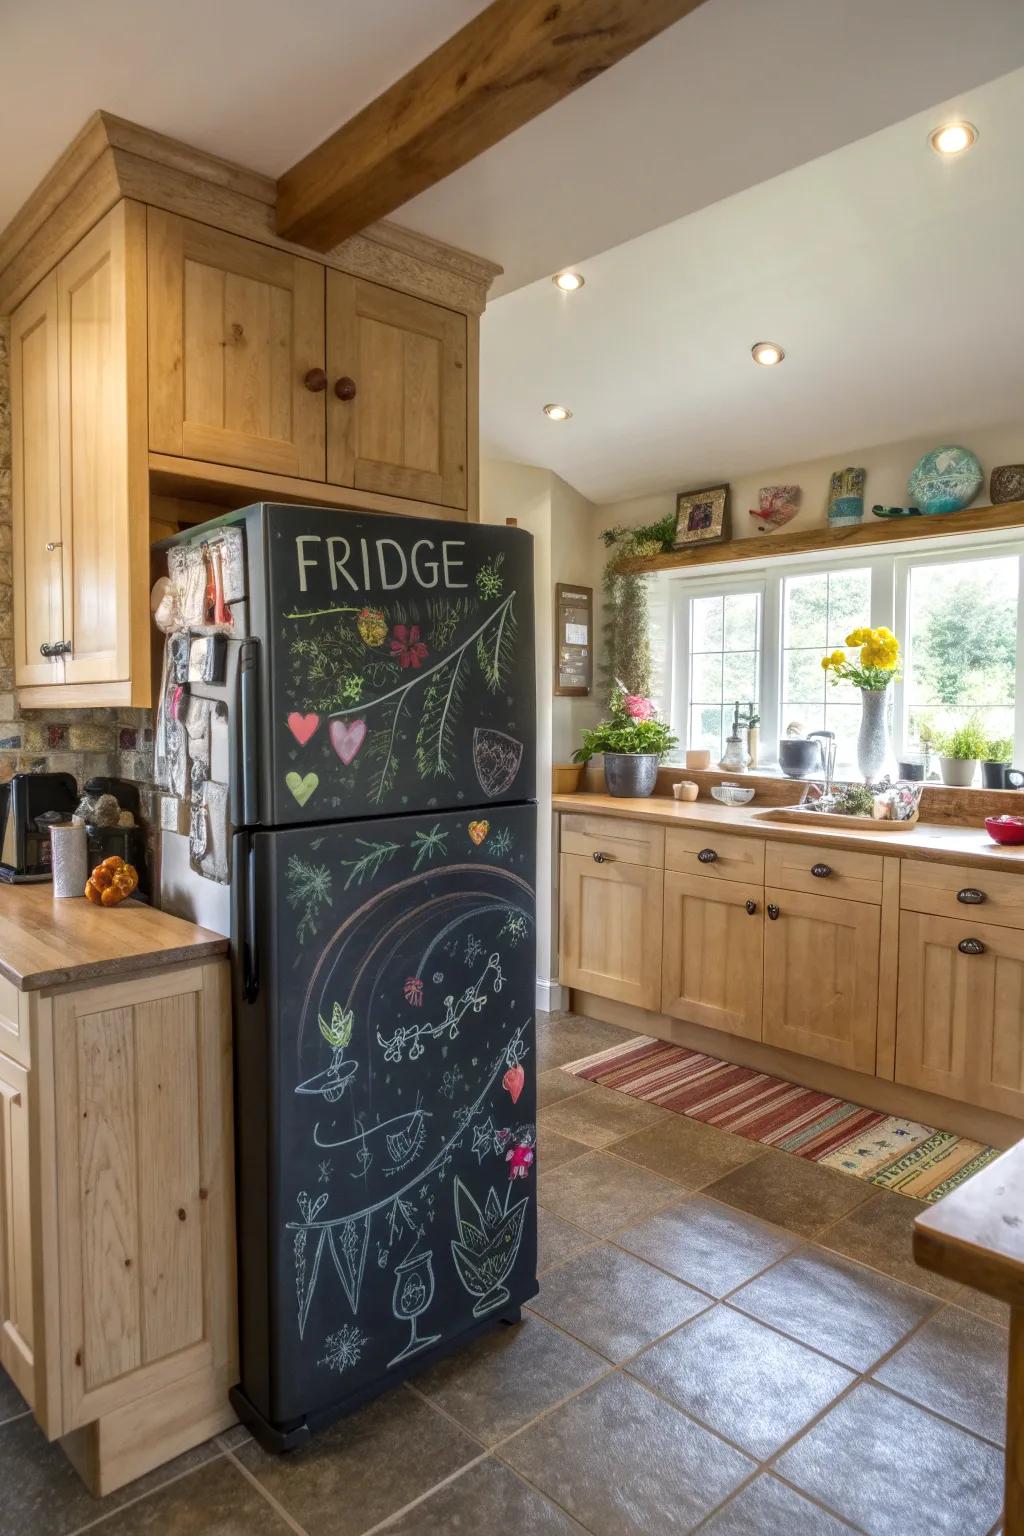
117	1259
883	966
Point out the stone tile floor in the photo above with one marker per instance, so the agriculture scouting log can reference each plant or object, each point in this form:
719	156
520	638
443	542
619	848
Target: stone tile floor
727	1340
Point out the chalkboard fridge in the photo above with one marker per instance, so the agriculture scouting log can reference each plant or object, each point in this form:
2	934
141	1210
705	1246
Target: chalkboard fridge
379	682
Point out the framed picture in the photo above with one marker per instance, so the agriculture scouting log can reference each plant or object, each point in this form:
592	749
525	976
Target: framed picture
702	517
574	653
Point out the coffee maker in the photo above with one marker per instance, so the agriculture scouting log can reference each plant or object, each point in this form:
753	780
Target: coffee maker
29	804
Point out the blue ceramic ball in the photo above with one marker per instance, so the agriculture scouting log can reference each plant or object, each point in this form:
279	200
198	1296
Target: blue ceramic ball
945	480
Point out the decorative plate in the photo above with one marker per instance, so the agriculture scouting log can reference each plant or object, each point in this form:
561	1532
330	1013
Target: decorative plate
945	480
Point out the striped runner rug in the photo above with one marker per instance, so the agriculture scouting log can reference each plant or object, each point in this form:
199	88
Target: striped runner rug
901	1155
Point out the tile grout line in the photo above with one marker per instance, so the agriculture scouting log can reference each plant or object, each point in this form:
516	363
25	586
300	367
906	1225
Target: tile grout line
453	1477
265	1494
108	1514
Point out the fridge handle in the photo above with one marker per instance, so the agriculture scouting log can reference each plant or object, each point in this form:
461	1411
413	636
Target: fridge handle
249	739
250	949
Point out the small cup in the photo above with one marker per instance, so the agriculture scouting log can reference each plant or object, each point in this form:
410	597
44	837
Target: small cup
69	859
685	790
699	757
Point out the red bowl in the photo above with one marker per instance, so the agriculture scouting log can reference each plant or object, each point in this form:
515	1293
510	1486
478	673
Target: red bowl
1005	829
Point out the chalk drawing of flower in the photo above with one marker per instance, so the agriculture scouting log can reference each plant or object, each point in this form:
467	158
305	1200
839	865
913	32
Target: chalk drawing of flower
407	646
413	991
372	626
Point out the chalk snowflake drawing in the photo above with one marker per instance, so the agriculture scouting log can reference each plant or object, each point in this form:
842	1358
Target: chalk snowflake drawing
451	1083
497	758
473	948
488	1244
343	1349
516	928
502	842
308	891
323	1171
411	1037
489	581
429	845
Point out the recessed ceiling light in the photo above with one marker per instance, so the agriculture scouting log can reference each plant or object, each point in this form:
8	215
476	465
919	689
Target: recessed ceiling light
952	138
557	412
568	281
767	353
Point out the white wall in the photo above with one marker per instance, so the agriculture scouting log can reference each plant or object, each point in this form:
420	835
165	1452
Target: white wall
887	468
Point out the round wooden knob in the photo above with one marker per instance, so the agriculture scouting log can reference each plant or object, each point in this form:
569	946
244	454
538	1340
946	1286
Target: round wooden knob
315	380
345	388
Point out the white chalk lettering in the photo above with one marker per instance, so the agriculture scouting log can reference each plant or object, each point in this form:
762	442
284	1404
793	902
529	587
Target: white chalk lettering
383	564
450	563
430	565
390	586
304	563
338	563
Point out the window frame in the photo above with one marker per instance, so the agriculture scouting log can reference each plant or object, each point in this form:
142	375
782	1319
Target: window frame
890	590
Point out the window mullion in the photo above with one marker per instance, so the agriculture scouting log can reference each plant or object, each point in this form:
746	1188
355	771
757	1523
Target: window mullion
771	667
1018	674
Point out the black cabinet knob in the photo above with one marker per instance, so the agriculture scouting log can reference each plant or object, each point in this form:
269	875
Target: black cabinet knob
773	911
751	907
707	856
821	870
971	947
970	896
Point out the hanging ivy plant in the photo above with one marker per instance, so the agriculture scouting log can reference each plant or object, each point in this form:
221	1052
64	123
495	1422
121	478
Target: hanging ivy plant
627	643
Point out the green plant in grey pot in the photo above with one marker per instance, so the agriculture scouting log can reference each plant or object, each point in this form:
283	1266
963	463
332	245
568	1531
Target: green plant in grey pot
960	751
997	753
633	741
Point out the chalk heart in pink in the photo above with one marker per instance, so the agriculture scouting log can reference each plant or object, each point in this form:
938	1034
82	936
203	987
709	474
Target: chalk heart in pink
302	727
347	737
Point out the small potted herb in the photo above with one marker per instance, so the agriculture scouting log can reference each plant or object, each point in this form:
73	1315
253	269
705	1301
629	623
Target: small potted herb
998	750
960	751
633	741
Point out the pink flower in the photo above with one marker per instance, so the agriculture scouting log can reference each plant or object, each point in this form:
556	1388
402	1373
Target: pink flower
413	990
638	708
407	645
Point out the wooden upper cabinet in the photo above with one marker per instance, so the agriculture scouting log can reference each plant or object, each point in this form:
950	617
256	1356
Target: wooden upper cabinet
236	334
404	430
821	968
961	1004
35	417
713	952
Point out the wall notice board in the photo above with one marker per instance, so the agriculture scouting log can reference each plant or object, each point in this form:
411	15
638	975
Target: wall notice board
574	640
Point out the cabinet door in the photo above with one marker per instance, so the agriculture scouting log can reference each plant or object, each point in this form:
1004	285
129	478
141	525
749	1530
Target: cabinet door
403	432
98	475
16	1295
713	953
144	1179
610	925
960	1017
235	327
821	959
35	423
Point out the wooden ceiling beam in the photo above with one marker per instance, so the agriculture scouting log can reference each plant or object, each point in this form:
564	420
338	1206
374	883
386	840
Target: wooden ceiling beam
506	66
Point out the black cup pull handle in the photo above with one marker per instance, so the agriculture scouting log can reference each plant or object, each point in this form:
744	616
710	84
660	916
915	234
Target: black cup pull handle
821	870
751	907
707	856
773	911
971	947
970	896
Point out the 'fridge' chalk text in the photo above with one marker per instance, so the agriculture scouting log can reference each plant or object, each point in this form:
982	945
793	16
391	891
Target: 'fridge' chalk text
382	563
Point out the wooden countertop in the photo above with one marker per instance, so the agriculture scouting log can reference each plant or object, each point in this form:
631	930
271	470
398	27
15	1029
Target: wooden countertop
48	943
936	841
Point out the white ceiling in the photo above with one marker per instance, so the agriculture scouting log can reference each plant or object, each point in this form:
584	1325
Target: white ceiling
891	278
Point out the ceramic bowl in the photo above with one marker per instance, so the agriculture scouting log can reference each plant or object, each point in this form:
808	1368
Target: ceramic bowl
731	794
1003	829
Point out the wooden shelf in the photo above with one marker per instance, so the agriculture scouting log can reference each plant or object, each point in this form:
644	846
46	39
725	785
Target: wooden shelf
873	531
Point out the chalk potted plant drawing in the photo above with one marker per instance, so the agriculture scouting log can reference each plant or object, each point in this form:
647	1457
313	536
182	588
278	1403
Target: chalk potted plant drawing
333	1081
488	1245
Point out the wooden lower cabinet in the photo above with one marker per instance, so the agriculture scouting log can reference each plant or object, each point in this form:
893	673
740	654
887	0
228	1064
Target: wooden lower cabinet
821	959
117	1264
960	1017
712	953
611	923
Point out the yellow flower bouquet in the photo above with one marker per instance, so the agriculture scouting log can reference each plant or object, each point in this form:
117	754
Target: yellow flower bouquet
875	668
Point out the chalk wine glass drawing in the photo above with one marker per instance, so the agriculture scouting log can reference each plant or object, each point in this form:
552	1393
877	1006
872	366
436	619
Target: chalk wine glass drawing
488	1244
414	1291
702	517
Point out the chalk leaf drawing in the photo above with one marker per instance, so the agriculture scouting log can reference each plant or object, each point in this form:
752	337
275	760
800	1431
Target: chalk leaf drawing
497	758
427	845
369	862
302	727
346	737
474	999
302	786
488	1244
496	649
343	1349
309	890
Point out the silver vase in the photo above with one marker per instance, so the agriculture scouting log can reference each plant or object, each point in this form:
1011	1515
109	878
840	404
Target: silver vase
873	737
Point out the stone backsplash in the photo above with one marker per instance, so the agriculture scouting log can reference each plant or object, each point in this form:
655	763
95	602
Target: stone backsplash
80	741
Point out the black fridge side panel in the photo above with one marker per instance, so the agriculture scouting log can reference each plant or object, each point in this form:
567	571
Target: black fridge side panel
399	663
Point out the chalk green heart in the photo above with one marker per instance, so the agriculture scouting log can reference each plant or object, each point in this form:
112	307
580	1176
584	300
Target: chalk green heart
302	786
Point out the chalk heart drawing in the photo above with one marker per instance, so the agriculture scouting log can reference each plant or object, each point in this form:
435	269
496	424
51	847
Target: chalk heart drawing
302	785
302	727
478	830
497	758
347	737
514	1082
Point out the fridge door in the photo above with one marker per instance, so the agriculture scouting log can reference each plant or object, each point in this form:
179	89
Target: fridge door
386	1103
400	664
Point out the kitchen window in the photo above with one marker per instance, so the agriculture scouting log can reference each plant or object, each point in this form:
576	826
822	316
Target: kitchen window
957	612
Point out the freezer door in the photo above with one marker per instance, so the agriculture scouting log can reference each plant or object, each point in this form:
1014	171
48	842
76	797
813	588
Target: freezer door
400	664
387	1104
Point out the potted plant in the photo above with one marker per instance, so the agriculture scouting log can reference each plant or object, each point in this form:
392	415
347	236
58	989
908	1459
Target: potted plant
997	753
871	672
960	751
633	741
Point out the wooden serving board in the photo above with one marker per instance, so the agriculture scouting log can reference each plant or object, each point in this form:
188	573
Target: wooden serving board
827	819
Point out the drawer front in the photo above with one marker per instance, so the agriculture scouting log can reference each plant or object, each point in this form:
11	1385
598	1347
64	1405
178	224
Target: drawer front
614	837
721	855
823	871
952	890
14	1006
